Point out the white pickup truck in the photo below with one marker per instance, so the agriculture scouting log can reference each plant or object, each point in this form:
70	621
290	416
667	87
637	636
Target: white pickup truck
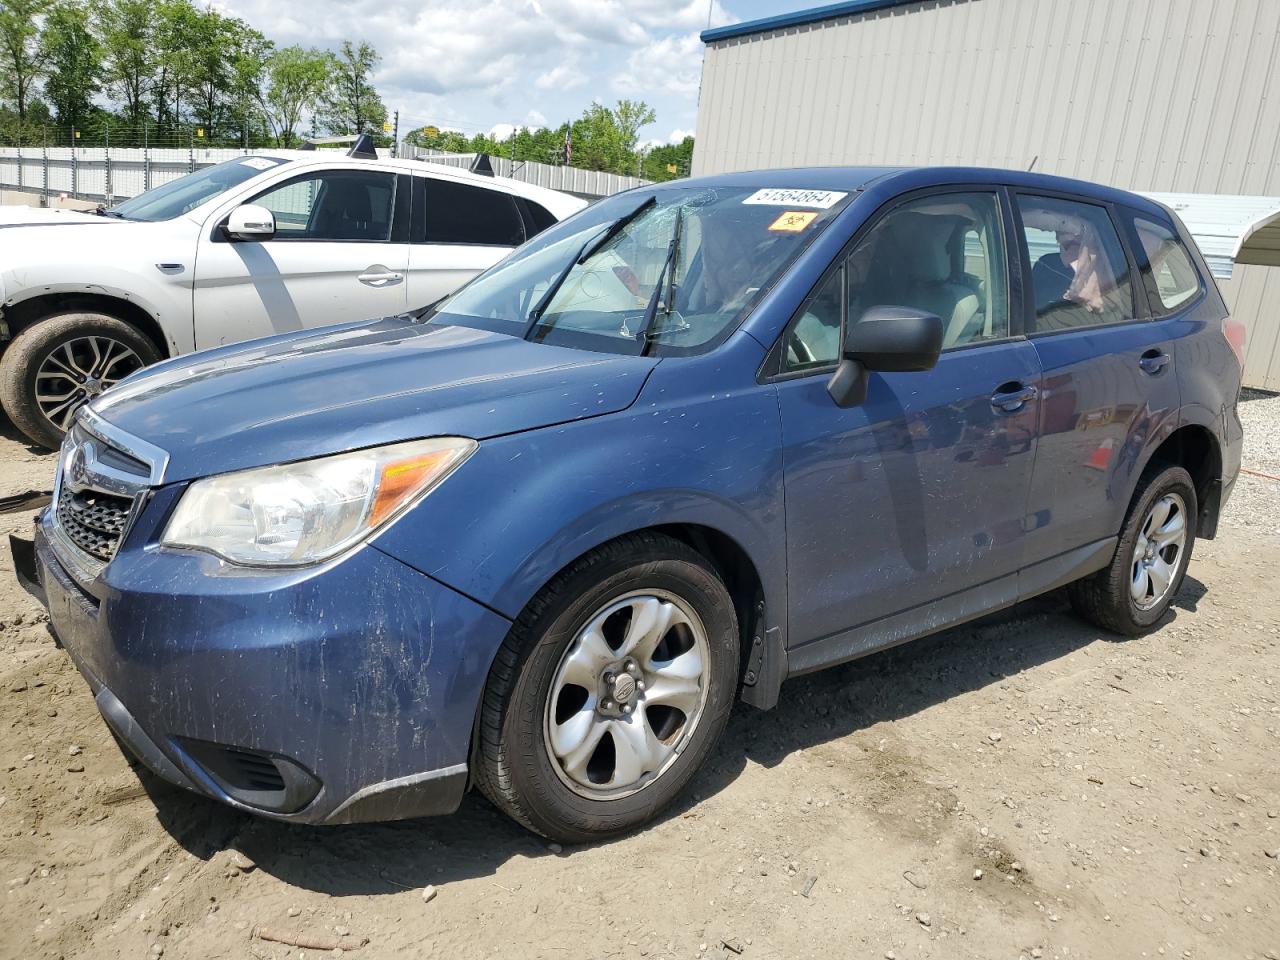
254	246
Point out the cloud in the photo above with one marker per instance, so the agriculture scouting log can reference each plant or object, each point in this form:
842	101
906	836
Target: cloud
563	76
481	61
672	64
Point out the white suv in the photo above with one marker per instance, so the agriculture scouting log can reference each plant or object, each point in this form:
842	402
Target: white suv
251	247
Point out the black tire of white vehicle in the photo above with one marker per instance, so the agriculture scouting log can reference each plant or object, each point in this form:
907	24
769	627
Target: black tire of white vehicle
513	763
1107	597
31	348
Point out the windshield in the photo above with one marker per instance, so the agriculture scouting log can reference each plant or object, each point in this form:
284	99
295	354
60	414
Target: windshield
176	197
669	269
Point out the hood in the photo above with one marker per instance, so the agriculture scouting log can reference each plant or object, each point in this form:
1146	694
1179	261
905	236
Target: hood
19	216
357	385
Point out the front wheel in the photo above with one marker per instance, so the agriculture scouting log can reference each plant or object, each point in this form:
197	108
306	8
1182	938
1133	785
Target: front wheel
610	690
1132	594
59	363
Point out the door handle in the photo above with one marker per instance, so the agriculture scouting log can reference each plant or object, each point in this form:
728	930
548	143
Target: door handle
375	276
1153	361
1012	397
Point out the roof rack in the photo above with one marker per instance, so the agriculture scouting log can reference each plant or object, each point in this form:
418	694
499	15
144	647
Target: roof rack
361	145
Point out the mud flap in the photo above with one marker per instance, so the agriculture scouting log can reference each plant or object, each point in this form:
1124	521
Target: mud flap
25	567
765	671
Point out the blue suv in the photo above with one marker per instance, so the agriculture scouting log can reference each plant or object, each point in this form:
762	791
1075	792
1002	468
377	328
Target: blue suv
699	438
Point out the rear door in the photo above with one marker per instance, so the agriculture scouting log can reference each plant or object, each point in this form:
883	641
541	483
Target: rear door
459	230
1110	389
919	492
340	253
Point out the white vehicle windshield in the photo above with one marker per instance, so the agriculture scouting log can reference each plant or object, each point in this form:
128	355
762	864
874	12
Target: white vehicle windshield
176	197
670	269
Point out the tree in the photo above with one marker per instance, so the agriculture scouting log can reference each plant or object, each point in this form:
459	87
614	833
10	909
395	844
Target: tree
296	80
175	42
218	42
126	29
630	116
605	139
72	59
351	104
660	161
20	46
250	53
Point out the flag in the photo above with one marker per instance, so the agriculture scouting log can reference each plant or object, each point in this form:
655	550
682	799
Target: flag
568	145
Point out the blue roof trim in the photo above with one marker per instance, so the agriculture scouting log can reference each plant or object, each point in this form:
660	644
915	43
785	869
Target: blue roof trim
813	15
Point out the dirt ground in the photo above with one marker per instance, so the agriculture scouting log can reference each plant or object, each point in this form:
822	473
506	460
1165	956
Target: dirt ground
1024	787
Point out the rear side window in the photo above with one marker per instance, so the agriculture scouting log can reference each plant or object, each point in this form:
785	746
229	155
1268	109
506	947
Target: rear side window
461	213
1079	273
537	216
1174	276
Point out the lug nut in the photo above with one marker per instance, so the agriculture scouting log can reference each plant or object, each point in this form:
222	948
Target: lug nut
610	679
627	709
606	704
632	669
639	684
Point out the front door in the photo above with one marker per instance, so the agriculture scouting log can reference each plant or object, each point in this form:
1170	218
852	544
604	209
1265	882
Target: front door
1109	380
919	492
332	259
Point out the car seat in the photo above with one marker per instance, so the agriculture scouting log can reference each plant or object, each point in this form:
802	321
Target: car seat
922	251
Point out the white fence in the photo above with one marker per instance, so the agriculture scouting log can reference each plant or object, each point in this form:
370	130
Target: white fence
117	173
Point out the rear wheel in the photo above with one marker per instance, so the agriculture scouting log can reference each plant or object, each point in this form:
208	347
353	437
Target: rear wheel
610	690
61	362
1133	593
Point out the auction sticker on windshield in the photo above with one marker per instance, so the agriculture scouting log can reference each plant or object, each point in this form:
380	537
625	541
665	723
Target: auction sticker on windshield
259	163
781	197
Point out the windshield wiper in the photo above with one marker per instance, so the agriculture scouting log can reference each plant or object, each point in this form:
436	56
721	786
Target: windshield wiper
104	212
585	252
667	273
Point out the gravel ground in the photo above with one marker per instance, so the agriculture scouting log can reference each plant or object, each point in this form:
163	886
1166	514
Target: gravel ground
1022	787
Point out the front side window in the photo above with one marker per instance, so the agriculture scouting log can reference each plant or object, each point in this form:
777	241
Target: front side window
1079	274
669	268
1175	276
451	212
177	197
334	205
942	254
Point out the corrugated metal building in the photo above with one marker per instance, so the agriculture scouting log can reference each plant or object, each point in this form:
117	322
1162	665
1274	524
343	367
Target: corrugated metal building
1176	96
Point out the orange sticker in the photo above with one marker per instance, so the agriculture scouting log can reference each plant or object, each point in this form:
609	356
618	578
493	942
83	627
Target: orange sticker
793	221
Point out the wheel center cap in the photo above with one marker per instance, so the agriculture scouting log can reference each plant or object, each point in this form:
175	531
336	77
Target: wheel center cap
92	386
624	688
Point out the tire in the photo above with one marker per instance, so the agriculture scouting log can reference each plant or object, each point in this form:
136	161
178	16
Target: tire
100	347
637	577
1108	597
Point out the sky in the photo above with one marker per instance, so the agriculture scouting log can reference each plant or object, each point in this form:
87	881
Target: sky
485	65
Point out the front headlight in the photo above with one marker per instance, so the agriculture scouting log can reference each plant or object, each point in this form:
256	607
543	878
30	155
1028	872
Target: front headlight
300	513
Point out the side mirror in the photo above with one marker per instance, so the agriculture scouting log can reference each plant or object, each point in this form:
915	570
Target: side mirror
887	339
251	222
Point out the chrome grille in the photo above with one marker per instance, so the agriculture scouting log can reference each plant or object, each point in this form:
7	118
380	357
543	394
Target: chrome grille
94	521
103	475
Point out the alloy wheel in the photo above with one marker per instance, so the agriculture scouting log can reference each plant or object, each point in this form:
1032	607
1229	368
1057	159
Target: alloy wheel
1158	551
76	371
627	695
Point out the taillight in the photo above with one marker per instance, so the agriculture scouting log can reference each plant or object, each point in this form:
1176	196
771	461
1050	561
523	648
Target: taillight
1234	331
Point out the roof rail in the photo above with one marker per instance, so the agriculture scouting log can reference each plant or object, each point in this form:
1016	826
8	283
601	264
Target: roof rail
361	145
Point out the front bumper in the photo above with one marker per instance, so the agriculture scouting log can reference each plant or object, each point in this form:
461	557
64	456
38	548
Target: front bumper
359	680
